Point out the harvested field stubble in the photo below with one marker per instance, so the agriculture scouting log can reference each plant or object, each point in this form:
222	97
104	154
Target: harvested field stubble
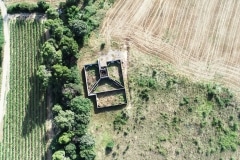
198	37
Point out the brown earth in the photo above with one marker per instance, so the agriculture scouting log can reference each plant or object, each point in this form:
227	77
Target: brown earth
200	38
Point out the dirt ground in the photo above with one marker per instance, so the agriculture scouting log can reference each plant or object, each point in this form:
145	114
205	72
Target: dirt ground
200	38
5	67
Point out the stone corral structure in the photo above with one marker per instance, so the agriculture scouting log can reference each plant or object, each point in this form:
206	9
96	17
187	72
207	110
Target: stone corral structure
104	80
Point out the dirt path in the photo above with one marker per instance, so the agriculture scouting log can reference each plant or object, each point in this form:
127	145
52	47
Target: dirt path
5	67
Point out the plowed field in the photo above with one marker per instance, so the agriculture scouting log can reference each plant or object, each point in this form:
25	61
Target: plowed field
200	38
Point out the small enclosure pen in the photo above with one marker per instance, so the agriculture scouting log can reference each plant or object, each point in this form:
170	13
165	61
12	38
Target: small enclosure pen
106	83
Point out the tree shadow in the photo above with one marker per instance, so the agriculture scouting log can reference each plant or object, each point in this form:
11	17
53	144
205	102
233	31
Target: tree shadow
36	111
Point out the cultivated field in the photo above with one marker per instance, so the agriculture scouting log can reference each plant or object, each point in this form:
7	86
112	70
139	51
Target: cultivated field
199	37
24	121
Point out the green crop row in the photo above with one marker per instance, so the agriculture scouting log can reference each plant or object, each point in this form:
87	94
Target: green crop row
24	127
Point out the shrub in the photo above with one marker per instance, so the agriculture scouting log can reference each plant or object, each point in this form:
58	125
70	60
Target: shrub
109	146
221	95
184	101
120	120
229	141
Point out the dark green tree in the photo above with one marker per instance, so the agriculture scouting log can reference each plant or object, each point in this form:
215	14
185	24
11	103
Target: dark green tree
71	90
69	47
81	105
42	6
50	55
78	27
61	72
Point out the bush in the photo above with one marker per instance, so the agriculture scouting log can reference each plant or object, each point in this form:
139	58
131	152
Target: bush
109	146
221	95
120	120
229	141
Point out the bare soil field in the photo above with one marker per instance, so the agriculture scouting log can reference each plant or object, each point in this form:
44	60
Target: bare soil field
200	38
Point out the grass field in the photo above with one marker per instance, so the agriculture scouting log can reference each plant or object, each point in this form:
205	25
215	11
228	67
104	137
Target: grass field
24	122
167	117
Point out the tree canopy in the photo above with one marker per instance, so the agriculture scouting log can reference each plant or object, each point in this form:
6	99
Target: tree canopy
44	75
65	119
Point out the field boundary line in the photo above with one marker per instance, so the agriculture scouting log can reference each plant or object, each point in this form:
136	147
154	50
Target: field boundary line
5	66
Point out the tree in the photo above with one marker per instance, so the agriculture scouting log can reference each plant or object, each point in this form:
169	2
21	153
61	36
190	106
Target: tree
44	75
81	105
65	138
87	154
75	75
58	33
61	72
78	27
70	91
69	47
70	150
52	13
65	119
42	6
50	55
56	109
53	24
58	155
73	12
86	142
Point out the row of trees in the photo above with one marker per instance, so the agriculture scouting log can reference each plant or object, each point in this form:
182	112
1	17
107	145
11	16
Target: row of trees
25	7
59	73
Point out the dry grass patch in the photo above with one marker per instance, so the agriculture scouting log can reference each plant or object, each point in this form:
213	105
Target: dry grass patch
170	117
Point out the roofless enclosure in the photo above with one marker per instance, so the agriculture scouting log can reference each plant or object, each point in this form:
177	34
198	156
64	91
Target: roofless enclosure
105	82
